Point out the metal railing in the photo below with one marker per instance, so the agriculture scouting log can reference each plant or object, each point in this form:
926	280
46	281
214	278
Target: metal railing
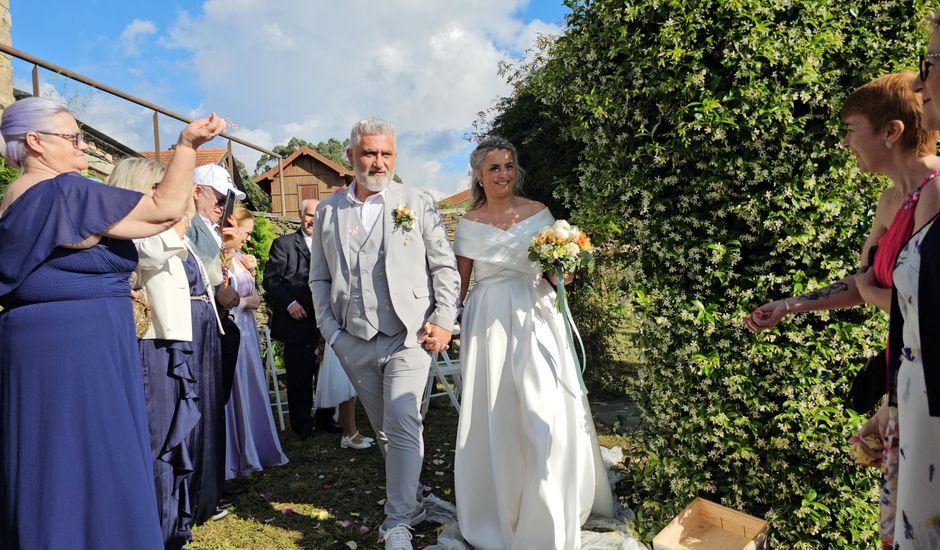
157	110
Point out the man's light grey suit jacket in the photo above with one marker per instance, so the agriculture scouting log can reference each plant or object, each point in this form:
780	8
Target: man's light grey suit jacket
419	264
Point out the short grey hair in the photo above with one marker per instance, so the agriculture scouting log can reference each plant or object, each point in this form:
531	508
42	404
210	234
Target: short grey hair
31	114
370	127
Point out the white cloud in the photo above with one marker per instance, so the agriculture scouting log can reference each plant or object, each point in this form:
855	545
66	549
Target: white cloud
310	69
133	33
124	121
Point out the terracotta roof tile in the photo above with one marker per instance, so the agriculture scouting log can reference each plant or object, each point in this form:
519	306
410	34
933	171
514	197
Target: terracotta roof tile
203	156
457	198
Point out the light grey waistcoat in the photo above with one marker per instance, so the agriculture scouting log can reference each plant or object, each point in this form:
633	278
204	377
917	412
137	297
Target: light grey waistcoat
370	305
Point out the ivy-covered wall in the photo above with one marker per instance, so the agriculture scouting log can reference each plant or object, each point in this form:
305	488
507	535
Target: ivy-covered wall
709	171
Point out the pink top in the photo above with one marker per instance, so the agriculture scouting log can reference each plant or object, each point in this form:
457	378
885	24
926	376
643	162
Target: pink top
900	230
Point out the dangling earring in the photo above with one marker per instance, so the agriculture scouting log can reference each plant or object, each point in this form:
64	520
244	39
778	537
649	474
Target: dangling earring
888	144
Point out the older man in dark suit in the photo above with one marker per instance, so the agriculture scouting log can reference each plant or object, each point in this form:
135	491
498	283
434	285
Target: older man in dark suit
293	322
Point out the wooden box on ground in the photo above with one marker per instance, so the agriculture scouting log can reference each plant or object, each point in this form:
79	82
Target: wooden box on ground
704	525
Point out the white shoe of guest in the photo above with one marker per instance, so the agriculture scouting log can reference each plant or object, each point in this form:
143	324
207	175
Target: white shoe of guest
398	538
348	442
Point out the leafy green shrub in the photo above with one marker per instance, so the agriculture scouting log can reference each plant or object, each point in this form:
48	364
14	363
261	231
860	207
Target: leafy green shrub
710	169
262	235
7	175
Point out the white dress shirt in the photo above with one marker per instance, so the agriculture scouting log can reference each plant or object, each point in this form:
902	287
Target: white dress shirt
369	210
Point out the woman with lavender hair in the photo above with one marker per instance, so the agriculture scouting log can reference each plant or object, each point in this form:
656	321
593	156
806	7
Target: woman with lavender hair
75	463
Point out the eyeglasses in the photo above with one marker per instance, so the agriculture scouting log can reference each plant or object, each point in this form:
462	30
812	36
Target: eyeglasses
75	139
924	67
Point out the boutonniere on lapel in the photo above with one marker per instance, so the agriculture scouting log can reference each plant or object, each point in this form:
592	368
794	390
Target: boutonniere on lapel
404	219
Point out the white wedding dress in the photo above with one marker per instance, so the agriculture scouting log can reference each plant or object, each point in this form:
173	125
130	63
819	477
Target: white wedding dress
333	385
528	469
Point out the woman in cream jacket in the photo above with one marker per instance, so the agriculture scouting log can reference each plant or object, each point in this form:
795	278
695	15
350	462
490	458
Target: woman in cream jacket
178	350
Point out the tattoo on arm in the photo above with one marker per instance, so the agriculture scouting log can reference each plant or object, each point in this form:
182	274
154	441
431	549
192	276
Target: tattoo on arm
825	293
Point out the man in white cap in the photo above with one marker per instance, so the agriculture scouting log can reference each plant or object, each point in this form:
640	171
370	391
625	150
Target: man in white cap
212	184
215	385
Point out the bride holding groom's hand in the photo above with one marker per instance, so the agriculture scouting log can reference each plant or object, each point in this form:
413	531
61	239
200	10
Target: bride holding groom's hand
527	469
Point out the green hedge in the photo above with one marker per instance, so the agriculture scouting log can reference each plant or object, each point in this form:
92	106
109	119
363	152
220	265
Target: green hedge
710	172
7	175
262	235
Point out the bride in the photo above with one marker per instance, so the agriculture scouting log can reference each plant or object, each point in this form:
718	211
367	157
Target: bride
527	470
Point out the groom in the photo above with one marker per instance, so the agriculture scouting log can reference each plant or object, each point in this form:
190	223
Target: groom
385	283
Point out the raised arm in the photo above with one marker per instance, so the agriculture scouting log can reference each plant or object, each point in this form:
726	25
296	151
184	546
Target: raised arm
160	211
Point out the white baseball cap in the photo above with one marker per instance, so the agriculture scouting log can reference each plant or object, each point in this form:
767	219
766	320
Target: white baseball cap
216	177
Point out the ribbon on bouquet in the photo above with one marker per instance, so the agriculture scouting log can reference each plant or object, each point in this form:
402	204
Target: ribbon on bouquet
571	330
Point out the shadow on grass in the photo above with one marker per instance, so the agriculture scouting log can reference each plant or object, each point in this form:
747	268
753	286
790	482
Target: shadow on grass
327	497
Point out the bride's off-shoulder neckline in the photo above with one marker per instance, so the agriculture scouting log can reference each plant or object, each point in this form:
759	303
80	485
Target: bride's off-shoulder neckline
514	224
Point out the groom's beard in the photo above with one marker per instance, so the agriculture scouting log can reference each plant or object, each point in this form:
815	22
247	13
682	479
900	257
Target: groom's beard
373	183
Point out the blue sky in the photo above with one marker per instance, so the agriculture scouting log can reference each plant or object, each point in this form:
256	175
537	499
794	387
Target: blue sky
285	68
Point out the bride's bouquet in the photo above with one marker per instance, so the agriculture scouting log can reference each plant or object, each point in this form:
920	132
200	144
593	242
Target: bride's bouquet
563	248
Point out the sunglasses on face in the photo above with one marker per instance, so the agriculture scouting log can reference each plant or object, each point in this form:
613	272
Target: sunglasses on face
75	139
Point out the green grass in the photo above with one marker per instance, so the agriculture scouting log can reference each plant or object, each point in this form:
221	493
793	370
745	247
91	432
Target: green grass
308	502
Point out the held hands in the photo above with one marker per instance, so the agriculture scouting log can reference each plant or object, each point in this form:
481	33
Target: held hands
297	311
767	316
201	130
435	339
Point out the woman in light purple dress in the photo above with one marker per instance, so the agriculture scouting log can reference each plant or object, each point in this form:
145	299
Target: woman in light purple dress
252	443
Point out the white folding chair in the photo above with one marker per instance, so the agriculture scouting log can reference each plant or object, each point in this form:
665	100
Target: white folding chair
446	372
272	374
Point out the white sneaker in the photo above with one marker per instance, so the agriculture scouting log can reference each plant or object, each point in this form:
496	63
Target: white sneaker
398	538
349	442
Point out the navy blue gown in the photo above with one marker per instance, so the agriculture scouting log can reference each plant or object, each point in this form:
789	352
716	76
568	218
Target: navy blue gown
171	370
75	464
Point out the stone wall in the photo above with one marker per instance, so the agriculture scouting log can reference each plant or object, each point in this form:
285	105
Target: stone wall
6	68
